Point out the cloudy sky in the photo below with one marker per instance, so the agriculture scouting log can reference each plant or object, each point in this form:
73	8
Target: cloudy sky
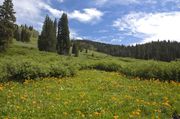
110	21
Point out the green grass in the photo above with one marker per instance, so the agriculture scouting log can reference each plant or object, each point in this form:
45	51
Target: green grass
38	84
90	94
24	61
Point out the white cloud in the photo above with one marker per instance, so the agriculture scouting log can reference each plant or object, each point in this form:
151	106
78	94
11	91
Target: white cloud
88	15
128	2
151	27
115	40
32	12
121	2
1	1
28	12
54	12
75	35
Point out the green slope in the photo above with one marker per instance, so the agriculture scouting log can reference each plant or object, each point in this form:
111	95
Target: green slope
24	61
54	86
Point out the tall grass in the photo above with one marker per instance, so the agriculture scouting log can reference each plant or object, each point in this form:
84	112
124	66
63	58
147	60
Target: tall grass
25	62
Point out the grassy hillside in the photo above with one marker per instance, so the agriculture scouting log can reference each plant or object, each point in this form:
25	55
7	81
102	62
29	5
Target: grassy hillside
24	61
40	84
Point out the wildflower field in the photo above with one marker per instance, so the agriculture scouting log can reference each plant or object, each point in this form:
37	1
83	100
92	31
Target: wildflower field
90	94
37	85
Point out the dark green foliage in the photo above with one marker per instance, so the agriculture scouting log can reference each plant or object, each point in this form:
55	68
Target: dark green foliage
7	20
17	33
63	40
55	27
19	71
25	34
107	66
86	50
160	50
5	37
75	49
31	28
47	39
34	33
148	70
24	62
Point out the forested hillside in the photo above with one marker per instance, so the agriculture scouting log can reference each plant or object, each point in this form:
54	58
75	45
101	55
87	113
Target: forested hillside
159	50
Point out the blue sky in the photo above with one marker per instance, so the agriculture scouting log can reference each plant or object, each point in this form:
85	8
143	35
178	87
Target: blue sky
125	22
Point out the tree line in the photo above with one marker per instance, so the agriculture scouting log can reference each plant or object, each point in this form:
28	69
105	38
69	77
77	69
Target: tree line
158	50
7	24
55	37
24	33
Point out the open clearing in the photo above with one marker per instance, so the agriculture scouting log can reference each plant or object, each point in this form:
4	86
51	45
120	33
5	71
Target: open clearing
89	94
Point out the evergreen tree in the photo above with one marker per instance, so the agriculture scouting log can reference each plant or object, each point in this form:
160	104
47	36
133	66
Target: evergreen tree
63	40
47	40
17	33
27	35
86	50
7	20
23	34
31	28
159	50
75	49
55	26
55	34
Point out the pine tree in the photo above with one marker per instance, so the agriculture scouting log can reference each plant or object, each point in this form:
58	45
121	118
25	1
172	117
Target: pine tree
7	20
47	40
31	28
63	40
55	26
17	33
22	34
27	35
75	49
55	35
86	50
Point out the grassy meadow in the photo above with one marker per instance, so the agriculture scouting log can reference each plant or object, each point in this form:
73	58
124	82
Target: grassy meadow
94	85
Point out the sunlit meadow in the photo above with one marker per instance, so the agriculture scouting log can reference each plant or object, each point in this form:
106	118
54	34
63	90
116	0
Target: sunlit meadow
90	94
81	89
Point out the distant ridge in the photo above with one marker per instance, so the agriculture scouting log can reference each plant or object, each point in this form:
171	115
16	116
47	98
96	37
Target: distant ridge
157	50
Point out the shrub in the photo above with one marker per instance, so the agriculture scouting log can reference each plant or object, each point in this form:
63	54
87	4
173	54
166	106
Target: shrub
19	71
107	66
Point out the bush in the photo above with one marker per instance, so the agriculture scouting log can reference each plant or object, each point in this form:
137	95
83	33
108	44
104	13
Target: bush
107	67
21	62
19	71
154	70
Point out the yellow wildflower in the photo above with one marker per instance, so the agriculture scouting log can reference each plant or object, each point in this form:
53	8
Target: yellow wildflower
113	98
65	113
97	113
34	102
1	87
116	116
